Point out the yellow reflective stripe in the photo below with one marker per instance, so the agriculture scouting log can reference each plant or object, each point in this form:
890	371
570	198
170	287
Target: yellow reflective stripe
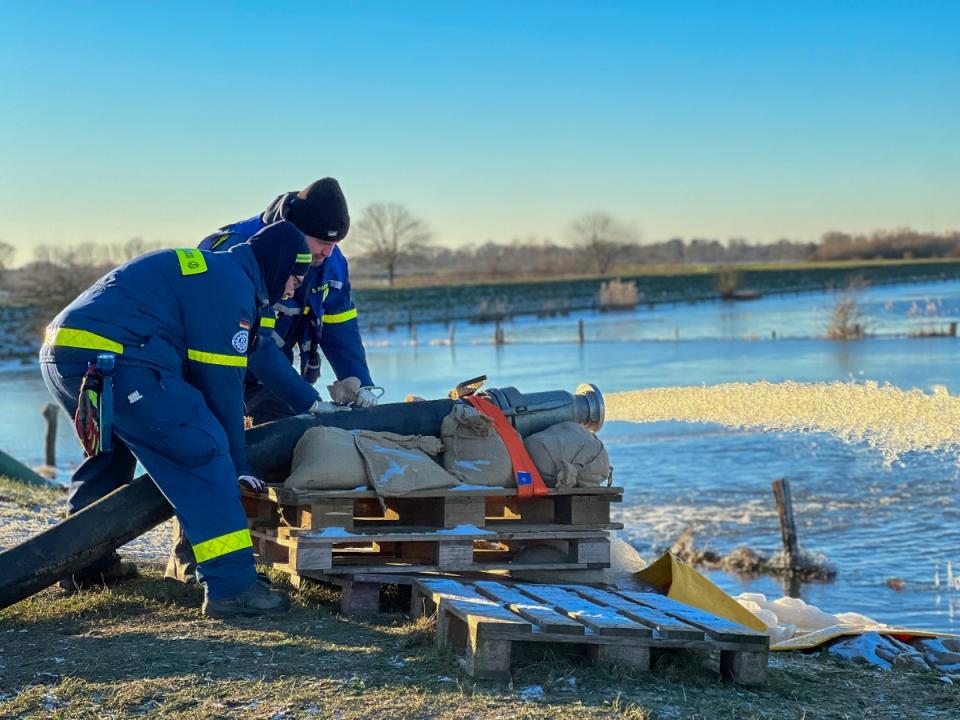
192	262
268	322
304	258
215	547
341	317
67	337
219	241
216	358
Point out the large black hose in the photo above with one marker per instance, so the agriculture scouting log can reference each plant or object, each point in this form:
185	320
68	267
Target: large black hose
130	511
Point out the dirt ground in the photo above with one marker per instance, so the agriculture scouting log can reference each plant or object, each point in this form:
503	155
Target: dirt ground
144	650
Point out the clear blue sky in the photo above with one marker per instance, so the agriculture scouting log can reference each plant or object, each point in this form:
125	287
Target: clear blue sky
490	120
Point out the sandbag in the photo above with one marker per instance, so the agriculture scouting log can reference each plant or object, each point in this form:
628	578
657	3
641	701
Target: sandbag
569	455
472	450
399	465
326	458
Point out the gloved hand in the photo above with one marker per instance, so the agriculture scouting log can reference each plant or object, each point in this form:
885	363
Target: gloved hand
366	397
321	407
252	483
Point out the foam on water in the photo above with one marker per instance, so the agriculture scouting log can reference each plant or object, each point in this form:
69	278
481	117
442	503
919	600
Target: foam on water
886	418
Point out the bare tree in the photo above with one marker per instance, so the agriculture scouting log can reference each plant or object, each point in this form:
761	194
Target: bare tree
387	233
7	251
603	239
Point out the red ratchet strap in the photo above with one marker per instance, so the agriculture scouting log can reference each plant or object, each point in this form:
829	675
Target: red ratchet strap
529	482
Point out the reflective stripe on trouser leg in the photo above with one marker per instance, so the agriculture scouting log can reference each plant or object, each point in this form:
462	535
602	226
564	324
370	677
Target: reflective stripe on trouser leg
181	444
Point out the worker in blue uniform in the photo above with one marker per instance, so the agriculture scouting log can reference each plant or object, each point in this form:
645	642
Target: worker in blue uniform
319	317
176	327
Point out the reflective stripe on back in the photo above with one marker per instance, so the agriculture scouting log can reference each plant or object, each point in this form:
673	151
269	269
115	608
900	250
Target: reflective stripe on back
268	322
216	358
222	545
67	337
192	261
340	317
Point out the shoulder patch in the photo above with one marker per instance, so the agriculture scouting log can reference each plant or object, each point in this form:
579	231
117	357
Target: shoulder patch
241	341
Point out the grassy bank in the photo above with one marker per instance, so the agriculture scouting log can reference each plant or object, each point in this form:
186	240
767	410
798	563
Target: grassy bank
414	281
144	650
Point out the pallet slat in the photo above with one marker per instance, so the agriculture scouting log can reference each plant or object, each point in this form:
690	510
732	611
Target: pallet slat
546	619
666	625
601	620
716	627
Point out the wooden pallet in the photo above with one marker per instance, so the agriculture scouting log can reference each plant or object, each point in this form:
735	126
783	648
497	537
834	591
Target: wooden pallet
493	508
466	548
483	620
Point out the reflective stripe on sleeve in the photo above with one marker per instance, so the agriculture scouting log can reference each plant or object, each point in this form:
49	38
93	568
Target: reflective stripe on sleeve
304	258
192	261
219	241
223	545
216	358
268	322
340	317
67	337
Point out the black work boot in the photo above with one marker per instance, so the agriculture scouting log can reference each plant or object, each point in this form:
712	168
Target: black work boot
258	599
109	571
182	564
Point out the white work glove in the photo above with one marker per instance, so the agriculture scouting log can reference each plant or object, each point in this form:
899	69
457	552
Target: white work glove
252	483
321	407
366	397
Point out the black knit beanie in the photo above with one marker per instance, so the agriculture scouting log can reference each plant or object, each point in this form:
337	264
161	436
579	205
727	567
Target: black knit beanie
320	210
281	251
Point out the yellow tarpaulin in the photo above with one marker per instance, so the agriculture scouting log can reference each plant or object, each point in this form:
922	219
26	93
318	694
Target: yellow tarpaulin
811	640
684	584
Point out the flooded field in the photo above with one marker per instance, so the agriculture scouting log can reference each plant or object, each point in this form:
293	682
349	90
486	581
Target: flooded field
876	517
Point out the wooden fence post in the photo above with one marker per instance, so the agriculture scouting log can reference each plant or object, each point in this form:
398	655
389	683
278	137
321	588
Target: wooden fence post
50	413
788	528
580	329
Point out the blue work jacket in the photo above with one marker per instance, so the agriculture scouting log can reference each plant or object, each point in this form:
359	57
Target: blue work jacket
183	312
320	317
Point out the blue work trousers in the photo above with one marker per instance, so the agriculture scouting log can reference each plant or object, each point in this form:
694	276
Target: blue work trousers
164	422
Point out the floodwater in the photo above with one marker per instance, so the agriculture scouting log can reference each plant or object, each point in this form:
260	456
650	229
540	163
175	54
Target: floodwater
873	520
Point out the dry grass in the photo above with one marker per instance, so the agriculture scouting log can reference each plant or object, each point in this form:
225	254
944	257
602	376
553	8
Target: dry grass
144	650
618	295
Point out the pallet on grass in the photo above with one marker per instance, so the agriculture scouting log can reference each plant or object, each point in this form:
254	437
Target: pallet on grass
484	620
478	506
463	549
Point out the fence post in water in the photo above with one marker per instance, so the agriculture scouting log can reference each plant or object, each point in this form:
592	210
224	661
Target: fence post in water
788	528
50	413
580	329
498	334
453	332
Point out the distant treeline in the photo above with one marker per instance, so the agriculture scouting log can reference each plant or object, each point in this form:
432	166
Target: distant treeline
535	257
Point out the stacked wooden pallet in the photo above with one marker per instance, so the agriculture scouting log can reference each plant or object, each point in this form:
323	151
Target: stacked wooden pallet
356	534
483	620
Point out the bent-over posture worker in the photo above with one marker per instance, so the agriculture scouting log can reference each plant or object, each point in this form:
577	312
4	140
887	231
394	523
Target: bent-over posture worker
168	334
319	317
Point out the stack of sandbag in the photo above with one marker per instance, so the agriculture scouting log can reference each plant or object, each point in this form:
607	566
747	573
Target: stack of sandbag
327	458
472	451
569	455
